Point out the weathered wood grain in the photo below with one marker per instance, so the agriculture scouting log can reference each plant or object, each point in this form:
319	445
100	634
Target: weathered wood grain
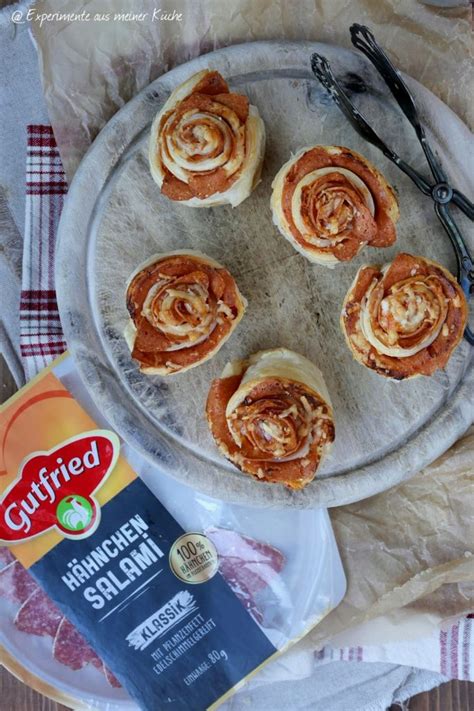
453	696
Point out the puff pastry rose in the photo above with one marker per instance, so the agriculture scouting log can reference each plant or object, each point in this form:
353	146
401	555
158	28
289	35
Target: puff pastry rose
271	415
183	306
329	202
207	143
404	319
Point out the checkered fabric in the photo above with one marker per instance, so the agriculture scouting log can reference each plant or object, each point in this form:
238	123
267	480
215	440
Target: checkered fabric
41	337
448	651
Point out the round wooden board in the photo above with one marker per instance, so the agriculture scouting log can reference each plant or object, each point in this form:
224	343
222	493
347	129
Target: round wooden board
115	218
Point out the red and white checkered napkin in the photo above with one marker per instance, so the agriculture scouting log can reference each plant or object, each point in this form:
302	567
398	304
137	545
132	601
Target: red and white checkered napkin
41	336
448	652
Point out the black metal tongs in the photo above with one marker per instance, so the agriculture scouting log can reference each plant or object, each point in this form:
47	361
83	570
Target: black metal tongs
441	192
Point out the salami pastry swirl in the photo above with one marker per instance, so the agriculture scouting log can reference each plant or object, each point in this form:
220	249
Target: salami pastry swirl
329	201
404	319
207	144
183	306
271	415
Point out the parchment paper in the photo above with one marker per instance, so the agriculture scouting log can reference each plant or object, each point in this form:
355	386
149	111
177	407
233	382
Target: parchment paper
408	550
410	547
90	68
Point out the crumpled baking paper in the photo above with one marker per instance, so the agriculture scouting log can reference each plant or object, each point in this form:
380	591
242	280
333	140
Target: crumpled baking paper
91	67
409	547
406	550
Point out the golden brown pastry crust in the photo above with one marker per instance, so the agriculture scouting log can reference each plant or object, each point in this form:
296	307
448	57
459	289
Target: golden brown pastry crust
404	319
272	417
183	306
207	143
329	201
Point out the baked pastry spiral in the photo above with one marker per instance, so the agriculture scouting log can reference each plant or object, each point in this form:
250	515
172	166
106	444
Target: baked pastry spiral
271	415
404	319
207	143
329	201
183	306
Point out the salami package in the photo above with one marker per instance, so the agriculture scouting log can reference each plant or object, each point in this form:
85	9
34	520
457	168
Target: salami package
173	597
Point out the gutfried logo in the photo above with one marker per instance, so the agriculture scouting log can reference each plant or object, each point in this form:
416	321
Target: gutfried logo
75	513
54	490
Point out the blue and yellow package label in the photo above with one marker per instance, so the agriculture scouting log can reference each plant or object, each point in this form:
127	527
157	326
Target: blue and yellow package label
145	594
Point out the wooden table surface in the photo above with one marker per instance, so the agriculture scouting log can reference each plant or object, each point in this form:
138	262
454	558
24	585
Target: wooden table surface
453	696
15	696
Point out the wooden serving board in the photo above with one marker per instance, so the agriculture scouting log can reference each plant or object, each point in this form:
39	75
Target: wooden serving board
115	218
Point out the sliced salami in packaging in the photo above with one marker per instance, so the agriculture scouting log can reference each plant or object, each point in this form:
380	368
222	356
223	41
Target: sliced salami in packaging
170	594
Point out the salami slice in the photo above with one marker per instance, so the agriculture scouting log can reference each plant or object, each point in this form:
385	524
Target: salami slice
252	560
16	584
38	615
71	649
111	678
247	565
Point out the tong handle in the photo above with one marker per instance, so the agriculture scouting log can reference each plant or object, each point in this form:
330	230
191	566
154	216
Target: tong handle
464	260
441	193
322	70
463	203
363	39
